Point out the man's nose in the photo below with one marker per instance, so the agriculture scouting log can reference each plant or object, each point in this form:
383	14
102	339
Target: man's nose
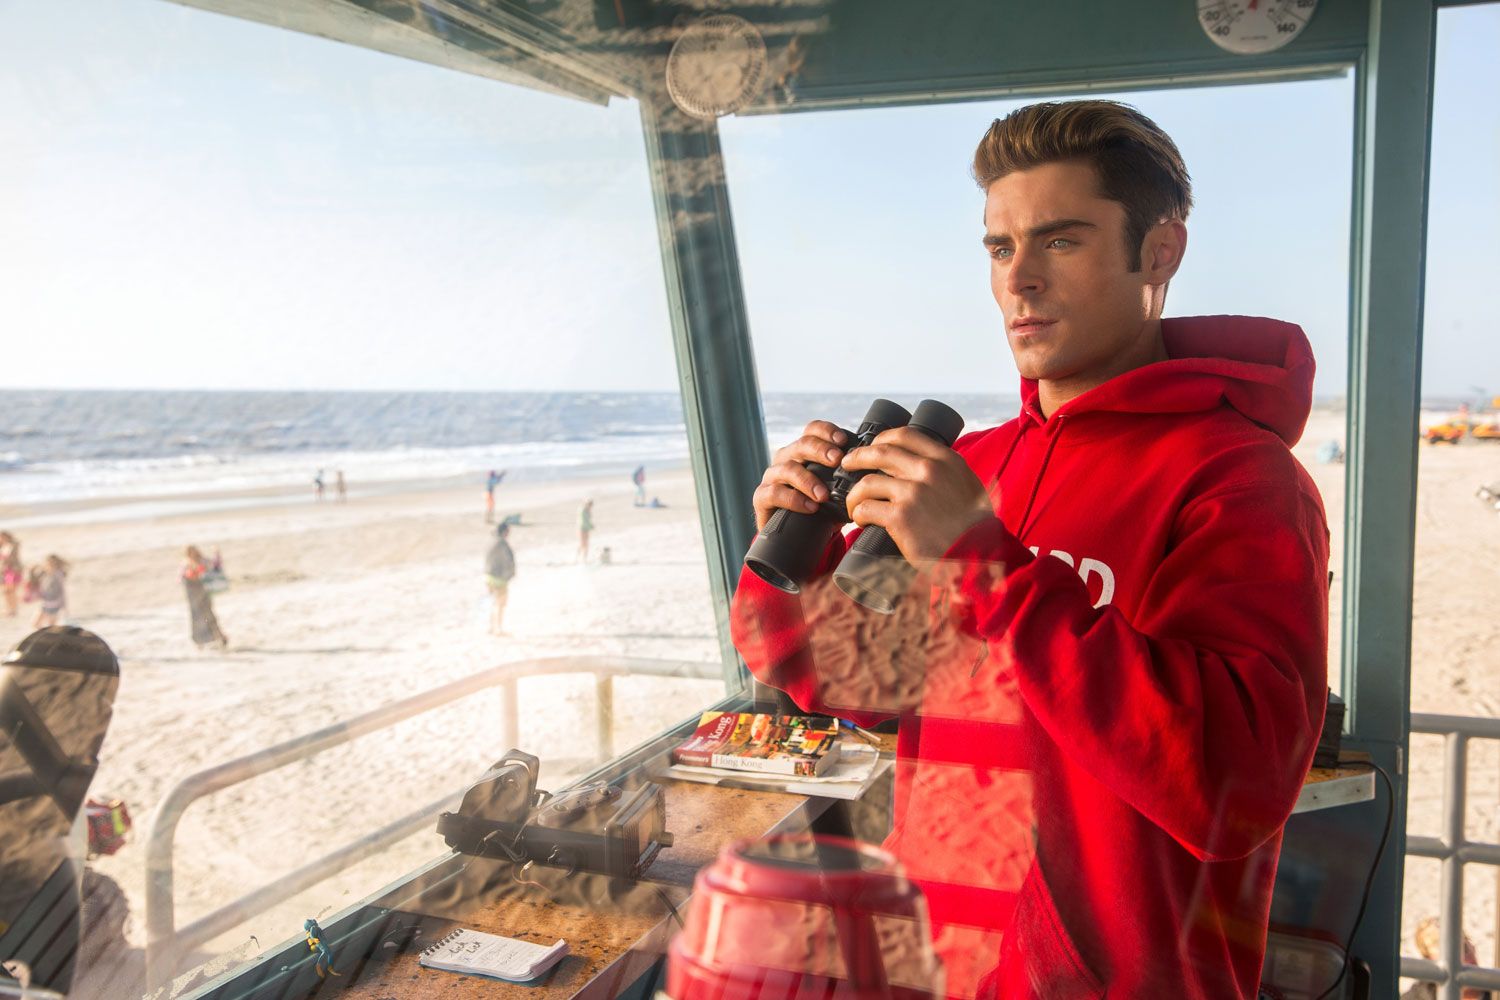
1024	277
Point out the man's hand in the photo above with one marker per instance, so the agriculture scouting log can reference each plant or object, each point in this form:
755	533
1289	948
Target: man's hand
918	490
787	484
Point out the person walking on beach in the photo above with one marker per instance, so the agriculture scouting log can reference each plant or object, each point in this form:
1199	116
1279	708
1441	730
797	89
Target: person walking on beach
50	583
11	572
490	483
499	568
639	478
318	486
585	526
197	574
340	491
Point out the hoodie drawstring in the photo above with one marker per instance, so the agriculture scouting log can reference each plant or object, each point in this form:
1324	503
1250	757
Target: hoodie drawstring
1036	486
1014	442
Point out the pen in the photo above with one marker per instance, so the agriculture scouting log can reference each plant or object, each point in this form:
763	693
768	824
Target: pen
864	734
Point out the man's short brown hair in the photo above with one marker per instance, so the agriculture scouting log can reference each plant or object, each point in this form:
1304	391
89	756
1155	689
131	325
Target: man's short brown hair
1137	164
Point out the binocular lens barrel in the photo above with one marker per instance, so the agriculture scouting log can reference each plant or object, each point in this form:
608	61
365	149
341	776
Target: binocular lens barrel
790	546
881	416
938	421
873	573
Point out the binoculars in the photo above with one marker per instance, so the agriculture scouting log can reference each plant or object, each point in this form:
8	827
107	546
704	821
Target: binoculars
873	572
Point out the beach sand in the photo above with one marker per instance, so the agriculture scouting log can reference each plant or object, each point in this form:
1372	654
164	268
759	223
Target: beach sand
337	609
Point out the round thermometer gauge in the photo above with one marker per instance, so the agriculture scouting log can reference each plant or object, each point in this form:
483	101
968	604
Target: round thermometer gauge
1249	27
717	66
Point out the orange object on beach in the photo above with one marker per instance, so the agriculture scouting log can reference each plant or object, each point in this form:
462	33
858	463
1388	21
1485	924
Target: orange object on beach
1485	432
1449	433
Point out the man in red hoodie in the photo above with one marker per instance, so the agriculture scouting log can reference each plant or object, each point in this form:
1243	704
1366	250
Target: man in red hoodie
1110	684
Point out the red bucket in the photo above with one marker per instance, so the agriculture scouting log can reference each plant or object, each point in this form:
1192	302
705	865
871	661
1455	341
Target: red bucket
804	917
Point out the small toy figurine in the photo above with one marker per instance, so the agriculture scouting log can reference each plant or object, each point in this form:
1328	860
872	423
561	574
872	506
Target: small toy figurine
323	966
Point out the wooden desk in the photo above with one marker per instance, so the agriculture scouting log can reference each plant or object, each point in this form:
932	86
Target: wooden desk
616	933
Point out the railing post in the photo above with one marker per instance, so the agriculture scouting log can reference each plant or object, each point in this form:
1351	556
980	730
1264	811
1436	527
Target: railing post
162	946
1453	848
166	943
510	715
1451	950
604	713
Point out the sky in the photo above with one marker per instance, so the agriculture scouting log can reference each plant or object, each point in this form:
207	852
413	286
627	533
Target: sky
193	201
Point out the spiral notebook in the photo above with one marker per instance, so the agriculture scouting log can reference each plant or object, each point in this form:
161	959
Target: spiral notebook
480	954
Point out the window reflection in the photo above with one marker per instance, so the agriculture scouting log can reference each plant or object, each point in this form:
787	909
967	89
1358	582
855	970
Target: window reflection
880	206
299	326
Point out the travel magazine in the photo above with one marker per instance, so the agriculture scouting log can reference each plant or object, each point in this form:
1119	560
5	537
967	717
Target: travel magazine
797	745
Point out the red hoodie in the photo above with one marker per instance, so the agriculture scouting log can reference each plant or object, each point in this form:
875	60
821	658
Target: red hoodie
1111	699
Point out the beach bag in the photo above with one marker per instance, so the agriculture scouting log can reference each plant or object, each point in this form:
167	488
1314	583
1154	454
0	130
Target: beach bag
109	822
215	582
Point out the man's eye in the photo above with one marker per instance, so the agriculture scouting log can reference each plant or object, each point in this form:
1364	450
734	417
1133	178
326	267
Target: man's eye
1060	242
1000	253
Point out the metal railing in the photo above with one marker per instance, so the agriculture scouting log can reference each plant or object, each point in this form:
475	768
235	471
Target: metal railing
166	943
1454	851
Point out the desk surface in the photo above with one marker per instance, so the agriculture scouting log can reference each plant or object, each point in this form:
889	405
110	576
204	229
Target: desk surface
614	938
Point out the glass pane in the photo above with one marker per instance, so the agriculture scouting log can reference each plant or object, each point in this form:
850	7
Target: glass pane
336	317
1018	739
880	205
1454	634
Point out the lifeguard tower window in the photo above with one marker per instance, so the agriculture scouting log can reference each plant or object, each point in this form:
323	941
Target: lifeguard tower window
330	320
859	235
1457	530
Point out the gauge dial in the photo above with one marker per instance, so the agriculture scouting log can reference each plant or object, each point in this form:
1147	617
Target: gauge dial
1249	27
717	66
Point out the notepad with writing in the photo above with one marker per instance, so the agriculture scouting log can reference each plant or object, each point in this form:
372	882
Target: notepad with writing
483	954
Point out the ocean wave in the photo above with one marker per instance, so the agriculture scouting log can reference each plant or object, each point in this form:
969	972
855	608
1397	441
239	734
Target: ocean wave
205	474
132	444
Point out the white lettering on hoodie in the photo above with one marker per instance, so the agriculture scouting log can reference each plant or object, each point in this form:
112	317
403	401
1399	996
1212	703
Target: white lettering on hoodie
1087	567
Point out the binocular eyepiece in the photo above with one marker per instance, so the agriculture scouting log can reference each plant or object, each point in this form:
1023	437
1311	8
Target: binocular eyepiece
873	572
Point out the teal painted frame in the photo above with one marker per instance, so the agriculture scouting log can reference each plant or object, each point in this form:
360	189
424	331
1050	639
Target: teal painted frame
1387	245
711	337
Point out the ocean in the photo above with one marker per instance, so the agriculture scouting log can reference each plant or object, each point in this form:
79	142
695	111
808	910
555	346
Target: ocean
150	452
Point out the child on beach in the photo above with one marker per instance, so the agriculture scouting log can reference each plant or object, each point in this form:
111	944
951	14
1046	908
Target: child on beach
48	582
11	572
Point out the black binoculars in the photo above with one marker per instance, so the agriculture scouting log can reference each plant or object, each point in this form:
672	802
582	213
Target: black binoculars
873	572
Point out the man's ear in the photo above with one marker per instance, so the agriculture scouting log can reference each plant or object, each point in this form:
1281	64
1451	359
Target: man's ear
1163	250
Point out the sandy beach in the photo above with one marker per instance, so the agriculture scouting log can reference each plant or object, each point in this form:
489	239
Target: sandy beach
338	608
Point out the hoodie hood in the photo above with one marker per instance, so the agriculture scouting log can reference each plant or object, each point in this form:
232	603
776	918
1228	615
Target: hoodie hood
1263	368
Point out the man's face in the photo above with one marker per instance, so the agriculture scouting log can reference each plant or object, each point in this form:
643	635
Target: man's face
1075	313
